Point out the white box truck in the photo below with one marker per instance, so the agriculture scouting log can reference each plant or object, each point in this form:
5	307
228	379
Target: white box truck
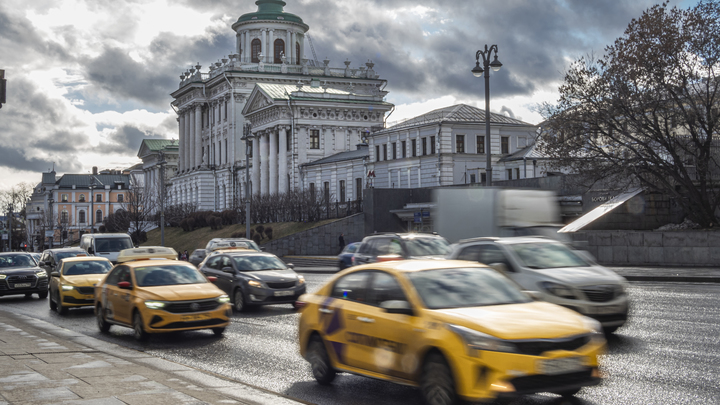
462	213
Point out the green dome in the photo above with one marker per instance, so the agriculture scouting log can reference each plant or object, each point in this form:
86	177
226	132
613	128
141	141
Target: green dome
269	10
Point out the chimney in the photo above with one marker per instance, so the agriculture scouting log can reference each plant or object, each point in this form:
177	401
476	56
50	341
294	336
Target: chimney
95	170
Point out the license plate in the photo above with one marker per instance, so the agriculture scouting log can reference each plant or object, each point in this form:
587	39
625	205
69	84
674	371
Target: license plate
22	285
196	317
88	297
561	366
283	293
607	309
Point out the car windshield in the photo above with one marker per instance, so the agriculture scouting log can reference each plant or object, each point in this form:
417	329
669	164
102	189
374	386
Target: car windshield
427	246
351	248
465	287
547	255
63	255
112	244
86	267
255	263
17	260
168	275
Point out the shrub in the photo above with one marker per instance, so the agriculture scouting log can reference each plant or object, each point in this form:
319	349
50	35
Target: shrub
184	225
238	234
257	238
218	222
252	234
260	229
191	223
268	232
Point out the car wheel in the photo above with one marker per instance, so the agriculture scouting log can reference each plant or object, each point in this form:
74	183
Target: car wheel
319	360
43	295
53	304
59	306
139	329
569	393
610	329
238	300
436	381
102	324
218	331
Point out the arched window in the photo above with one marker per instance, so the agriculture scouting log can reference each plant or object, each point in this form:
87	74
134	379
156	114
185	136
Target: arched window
82	197
279	50
98	216
256	48
64	217
81	217
297	53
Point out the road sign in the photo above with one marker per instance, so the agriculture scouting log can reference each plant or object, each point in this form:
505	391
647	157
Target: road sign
417	217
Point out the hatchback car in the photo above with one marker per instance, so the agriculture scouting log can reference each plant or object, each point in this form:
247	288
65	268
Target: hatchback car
559	274
19	274
399	246
150	291
72	284
254	278
50	258
457	330
345	257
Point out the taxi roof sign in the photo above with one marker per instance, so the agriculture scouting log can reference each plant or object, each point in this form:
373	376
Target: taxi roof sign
230	245
147	252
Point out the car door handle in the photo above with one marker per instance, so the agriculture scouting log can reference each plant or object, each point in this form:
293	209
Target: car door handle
364	319
326	311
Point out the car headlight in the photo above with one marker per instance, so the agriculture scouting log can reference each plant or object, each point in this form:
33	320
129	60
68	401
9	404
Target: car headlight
475	340
3	276
558	290
253	283
154	304
596	329
66	287
41	274
301	280
223	299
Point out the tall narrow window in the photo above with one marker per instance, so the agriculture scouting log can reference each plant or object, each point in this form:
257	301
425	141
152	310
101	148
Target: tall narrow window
342	190
459	143
432	145
314	139
81	217
403	145
288	140
326	191
98	216
82	198
64	217
297	53
394	150
377	153
312	189
413	146
384	151
256	49
98	197
480	144
121	198
424	146
226	103
517	172
358	188
226	152
509	174
279	50
504	144
64	198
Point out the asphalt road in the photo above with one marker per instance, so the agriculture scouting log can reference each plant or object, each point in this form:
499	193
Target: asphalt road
668	353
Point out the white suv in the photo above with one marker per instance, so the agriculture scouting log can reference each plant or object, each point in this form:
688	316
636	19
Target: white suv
557	273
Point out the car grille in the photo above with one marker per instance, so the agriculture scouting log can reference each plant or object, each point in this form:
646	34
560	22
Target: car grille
192	324
549	383
28	278
86	290
537	347
599	293
288	284
192	306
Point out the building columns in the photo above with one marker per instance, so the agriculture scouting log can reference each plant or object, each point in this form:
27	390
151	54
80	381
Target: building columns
271	46
197	161
256	164
282	163
181	141
273	172
265	167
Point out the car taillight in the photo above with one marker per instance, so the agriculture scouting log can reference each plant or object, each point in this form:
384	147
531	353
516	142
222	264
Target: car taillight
389	258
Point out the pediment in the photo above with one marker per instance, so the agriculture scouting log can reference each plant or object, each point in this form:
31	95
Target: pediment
258	100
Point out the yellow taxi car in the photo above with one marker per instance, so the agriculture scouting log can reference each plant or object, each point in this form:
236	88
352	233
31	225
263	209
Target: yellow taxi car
71	285
152	292
457	330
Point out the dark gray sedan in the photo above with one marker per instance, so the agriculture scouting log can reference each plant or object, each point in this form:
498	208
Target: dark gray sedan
256	278
19	274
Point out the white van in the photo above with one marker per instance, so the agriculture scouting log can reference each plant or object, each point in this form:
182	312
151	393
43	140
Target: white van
106	245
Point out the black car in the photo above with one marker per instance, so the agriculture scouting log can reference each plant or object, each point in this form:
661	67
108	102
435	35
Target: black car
256	278
19	274
197	256
400	246
51	257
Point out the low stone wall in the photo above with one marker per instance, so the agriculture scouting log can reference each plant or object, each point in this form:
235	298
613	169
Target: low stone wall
651	248
322	240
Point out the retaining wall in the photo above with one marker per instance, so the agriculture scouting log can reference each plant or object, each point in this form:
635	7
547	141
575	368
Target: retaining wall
648	248
322	240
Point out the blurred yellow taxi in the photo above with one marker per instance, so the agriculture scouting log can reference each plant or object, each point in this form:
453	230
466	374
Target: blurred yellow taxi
152	292
71	285
455	329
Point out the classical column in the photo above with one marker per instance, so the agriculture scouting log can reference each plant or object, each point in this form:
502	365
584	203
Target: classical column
302	47
282	163
265	167
256	164
189	145
197	161
263	42
181	140
288	47
271	45
273	161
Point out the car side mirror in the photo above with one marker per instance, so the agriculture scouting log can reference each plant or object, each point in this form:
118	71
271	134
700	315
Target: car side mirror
228	269
125	285
90	250
290	266
501	267
41	263
55	274
397	307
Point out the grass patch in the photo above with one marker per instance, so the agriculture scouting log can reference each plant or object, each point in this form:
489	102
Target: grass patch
180	240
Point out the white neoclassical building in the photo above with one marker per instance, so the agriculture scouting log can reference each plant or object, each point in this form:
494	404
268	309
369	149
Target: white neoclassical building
300	110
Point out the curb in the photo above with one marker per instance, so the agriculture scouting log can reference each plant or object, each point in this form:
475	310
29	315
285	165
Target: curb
675	279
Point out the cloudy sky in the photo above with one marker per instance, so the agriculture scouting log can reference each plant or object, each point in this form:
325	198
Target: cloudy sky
89	79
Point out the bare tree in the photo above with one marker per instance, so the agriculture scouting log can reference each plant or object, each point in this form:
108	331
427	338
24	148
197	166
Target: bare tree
647	111
140	206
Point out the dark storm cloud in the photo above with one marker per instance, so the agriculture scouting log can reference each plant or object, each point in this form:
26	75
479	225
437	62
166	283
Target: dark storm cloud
19	38
15	158
126	140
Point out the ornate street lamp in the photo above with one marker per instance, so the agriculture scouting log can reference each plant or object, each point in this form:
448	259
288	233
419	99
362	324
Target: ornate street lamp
247	137
477	71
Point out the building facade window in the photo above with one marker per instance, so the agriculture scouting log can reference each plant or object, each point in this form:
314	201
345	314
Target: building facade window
256	48
326	191
358	188
473	179
377	153
64	217
480	139
297	53
459	143
342	190
288	140
314	139
403	145
81	217
413	146
432	145
517	172
312	189
98	216
64	198
509	174
121	198
424	146
504	144
98	197
279	50
82	198
394	150
483	178
384	151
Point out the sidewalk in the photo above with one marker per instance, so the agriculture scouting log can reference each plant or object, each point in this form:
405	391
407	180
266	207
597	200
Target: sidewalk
41	363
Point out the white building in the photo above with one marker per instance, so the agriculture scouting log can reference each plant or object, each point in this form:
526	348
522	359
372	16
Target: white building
300	112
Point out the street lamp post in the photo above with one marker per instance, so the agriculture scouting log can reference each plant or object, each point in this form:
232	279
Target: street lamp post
477	71
10	226
50	221
247	137
92	204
